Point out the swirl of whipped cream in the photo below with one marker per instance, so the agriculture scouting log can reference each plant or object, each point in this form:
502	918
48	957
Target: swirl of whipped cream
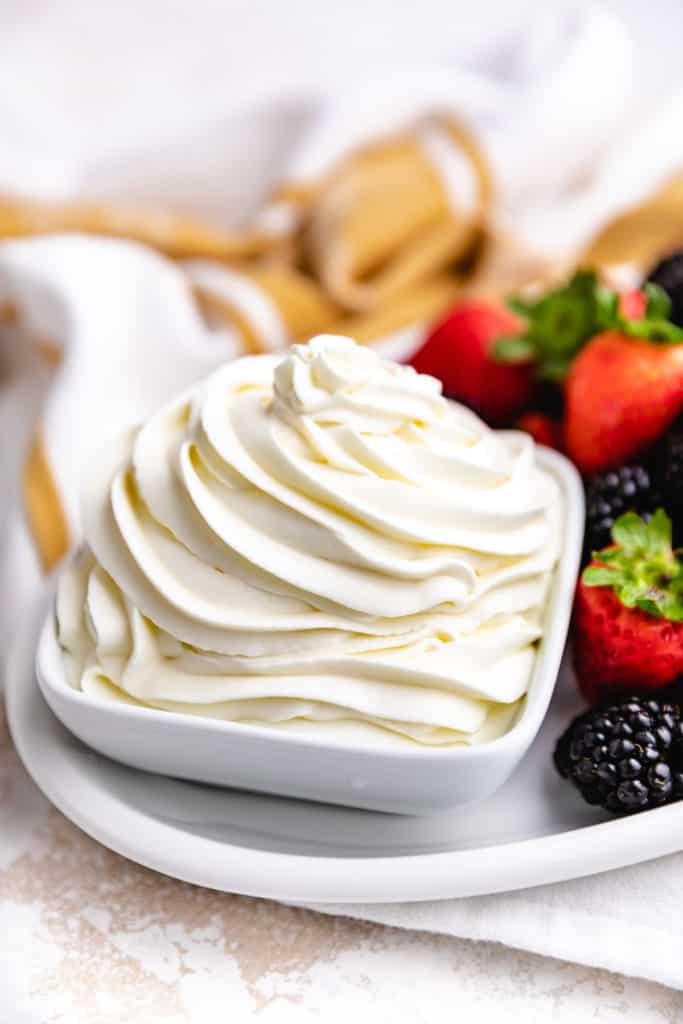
319	543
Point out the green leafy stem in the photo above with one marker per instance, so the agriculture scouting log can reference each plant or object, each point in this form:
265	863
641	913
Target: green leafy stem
642	568
557	324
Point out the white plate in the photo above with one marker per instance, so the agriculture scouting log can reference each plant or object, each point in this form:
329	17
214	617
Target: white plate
403	778
533	830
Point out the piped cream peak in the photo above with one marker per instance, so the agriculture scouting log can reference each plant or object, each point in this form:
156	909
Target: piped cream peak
316	539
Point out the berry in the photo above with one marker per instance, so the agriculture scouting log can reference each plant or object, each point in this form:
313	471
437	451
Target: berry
542	428
622	394
668	274
608	495
628	611
559	322
625	757
633	304
671	477
458	352
549	399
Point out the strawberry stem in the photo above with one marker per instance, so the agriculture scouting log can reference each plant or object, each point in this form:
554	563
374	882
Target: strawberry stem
561	321
642	568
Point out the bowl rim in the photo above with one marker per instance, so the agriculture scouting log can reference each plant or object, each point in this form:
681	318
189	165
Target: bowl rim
53	684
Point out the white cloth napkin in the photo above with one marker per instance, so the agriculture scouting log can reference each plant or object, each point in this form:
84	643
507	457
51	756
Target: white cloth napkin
627	921
549	91
549	98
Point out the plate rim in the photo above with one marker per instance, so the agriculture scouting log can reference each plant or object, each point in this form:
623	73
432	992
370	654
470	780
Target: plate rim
302	878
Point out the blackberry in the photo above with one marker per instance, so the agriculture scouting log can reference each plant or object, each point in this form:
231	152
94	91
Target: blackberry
549	399
671	478
625	757
608	495
668	274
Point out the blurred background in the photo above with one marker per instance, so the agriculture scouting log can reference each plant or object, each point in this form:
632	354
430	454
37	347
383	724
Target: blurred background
100	70
105	76
289	169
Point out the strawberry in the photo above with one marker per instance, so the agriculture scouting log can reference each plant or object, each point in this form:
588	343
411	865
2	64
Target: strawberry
458	352
492	356
633	304
621	395
628	611
542	428
559	322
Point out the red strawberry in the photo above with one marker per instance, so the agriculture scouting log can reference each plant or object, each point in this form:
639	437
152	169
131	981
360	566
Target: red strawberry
622	393
628	612
458	352
632	304
542	428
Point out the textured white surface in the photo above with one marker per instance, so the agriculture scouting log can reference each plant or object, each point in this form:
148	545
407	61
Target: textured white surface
89	938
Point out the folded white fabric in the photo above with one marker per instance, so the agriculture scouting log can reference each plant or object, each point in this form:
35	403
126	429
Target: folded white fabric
627	921
547	98
131	338
547	91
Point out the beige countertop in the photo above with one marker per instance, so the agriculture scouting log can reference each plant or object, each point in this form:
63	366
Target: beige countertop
90	938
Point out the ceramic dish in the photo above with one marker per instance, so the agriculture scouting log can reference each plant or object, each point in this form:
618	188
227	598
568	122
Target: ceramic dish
536	829
410	780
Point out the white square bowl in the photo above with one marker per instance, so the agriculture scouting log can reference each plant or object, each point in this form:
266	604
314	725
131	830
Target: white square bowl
414	780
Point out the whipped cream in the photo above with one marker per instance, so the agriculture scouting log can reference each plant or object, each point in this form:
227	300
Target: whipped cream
319	543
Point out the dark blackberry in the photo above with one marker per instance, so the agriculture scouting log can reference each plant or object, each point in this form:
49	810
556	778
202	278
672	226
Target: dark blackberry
671	478
668	274
549	399
608	495
626	757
